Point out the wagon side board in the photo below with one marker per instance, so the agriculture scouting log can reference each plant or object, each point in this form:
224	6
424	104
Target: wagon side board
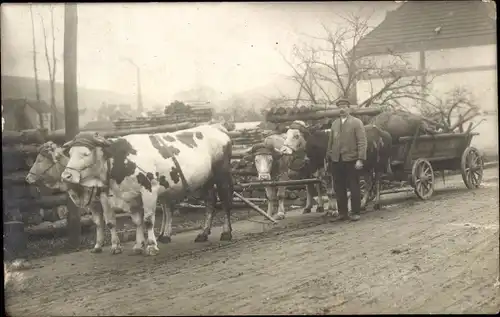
444	150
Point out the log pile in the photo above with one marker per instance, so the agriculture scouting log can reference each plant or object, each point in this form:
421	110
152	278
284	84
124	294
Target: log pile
192	114
313	113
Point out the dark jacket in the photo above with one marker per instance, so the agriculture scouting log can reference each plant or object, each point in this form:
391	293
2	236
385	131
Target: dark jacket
347	139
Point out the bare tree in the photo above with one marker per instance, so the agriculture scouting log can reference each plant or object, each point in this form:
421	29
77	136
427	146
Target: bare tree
51	64
332	69
452	110
35	67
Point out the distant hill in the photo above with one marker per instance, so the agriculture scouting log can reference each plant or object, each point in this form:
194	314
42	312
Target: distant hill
90	99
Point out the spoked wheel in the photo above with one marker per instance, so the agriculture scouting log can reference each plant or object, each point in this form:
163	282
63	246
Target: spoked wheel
422	177
160	221
472	165
367	190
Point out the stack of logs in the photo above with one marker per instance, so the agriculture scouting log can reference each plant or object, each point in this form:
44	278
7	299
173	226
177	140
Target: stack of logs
193	114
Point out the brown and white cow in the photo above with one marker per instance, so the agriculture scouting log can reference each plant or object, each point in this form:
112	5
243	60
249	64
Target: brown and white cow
271	164
135	169
315	143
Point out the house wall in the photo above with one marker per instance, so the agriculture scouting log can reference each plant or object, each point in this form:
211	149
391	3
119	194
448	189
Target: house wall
462	57
469	68
32	117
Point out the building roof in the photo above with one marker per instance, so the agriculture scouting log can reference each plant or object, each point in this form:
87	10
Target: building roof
432	25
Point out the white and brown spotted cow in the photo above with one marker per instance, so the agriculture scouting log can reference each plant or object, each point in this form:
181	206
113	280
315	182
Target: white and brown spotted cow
136	169
272	164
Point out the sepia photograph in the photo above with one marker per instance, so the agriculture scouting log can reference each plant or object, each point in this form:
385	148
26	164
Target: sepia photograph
250	158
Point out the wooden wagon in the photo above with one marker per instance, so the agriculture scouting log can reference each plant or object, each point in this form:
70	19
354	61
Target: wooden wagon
415	161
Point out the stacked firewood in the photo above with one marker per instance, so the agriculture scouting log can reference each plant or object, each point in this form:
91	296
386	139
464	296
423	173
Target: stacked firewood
193	114
313	113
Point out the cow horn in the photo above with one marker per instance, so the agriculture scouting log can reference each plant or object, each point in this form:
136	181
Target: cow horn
68	144
100	140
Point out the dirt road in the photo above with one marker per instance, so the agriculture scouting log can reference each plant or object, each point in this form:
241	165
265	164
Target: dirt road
436	256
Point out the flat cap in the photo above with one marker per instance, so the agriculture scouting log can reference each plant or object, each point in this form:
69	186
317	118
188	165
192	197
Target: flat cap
342	101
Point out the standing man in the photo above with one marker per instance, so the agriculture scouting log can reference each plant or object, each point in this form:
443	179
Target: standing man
346	152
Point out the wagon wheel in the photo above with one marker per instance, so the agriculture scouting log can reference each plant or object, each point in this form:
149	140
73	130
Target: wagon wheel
367	190
422	177
160	221
472	167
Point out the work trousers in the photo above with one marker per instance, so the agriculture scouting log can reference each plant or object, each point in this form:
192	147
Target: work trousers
345	175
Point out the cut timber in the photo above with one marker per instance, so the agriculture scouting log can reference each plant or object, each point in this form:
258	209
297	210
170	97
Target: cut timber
58	136
18	177
32	136
43	202
319	114
55	228
25	149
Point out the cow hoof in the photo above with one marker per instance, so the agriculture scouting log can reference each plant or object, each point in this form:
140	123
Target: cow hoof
306	211
226	236
332	213
116	250
320	209
96	250
164	239
201	238
152	250
377	206
279	216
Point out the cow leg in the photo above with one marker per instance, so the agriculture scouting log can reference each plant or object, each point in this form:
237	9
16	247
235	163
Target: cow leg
309	201
149	201
225	192
137	219
376	206
110	219
210	202
168	214
98	217
332	205
281	203
321	203
271	194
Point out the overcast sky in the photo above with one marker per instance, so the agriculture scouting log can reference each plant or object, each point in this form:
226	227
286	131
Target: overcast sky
231	47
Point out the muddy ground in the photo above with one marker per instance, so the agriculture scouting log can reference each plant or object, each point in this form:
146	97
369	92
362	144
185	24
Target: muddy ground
435	256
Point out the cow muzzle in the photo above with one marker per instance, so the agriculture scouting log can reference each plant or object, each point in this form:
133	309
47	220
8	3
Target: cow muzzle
286	150
70	176
31	179
264	176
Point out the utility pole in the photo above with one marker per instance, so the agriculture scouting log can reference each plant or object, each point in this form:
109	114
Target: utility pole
71	106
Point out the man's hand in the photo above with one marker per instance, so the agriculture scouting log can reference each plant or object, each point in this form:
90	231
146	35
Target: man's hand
359	164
